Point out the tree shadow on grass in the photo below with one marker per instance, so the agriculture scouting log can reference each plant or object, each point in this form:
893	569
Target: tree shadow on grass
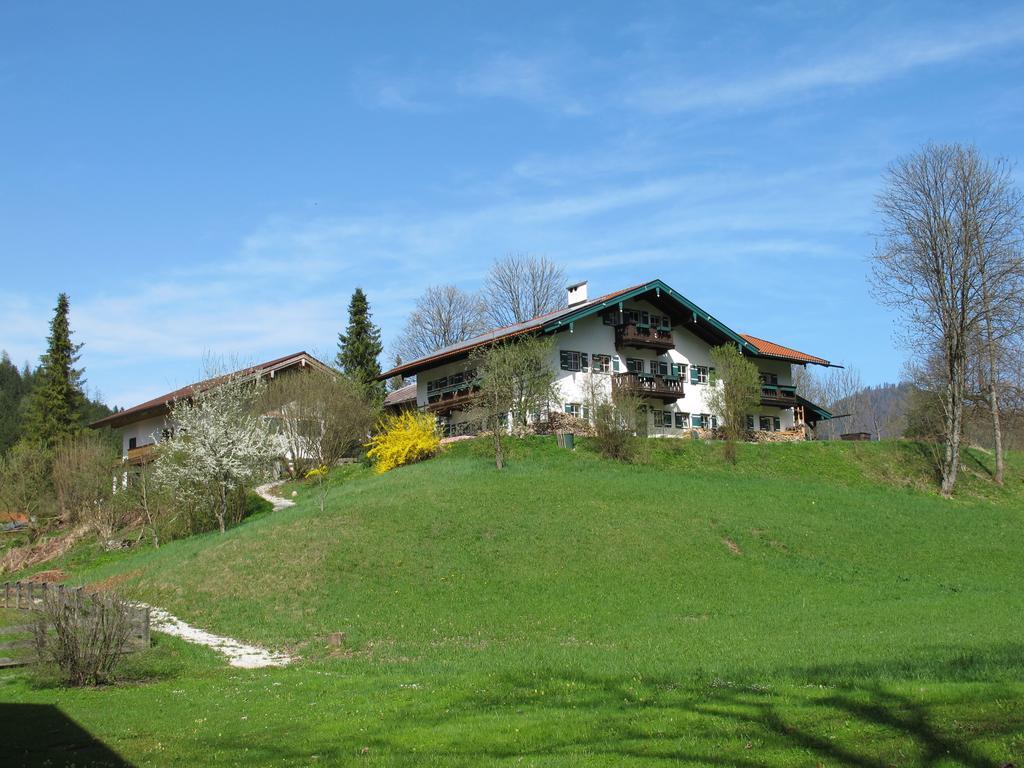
562	716
42	735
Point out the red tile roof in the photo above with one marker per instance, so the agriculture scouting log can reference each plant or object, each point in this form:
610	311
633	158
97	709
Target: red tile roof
771	349
160	405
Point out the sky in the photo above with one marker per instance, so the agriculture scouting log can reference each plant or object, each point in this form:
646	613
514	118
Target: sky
216	178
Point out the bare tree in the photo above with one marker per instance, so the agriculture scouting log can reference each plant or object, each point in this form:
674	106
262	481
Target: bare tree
26	484
83	470
927	269
322	417
515	380
444	315
992	212
520	287
839	390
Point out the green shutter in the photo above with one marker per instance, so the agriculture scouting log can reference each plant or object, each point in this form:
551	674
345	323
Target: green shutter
694	376
563	358
615	363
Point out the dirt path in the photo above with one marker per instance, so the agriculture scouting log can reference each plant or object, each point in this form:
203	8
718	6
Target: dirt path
238	654
264	491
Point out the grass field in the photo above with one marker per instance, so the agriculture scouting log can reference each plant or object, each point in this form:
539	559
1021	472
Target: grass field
816	604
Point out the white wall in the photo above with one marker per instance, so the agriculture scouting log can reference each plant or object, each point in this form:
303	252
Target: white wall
144	432
592	336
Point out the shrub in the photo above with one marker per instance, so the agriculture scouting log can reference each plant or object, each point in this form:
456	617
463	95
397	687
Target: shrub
84	637
403	439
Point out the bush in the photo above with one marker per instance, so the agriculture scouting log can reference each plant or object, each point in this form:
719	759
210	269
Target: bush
403	439
84	637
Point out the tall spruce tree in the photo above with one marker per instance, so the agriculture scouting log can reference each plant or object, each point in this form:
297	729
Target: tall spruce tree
55	405
359	347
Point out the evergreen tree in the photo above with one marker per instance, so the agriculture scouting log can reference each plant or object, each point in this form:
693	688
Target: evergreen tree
12	390
359	346
55	408
398	381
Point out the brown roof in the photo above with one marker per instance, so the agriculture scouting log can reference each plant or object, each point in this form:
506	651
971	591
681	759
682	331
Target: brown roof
160	405
771	349
400	395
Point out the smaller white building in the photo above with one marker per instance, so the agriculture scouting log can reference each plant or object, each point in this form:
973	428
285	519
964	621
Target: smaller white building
648	339
143	425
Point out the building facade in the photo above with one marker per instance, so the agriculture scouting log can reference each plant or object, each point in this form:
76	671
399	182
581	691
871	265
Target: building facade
649	340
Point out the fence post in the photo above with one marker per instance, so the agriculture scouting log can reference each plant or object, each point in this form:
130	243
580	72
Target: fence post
18	596
7	594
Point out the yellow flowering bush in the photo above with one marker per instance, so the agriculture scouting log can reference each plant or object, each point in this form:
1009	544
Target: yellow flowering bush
402	439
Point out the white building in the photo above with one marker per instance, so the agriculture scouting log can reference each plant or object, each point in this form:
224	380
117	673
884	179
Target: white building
649	339
143	425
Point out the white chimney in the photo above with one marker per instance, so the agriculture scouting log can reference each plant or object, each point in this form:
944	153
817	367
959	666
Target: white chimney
576	294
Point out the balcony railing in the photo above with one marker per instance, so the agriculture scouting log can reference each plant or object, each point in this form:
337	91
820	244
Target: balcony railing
645	336
667	388
141	454
454	398
778	395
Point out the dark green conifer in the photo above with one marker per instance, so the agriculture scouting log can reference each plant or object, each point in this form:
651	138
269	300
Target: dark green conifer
359	347
55	405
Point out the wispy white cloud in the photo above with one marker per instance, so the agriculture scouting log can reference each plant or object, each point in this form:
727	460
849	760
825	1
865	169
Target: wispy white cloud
872	57
534	79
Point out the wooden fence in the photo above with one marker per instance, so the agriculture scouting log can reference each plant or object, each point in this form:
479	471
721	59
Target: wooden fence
29	596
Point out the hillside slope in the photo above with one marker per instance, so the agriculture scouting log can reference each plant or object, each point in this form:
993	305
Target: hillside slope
825	577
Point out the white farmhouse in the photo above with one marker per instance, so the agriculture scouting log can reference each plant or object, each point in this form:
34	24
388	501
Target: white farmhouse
143	425
649	339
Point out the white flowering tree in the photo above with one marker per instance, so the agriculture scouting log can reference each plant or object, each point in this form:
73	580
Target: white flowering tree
219	445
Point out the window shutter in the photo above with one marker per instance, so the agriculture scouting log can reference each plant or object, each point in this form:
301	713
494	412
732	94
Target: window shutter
568	408
584	362
675	369
586	412
615	364
563	358
712	376
694	376
778	423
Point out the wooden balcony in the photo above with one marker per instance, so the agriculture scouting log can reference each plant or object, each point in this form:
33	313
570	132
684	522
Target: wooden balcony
668	389
141	454
452	399
779	396
644	336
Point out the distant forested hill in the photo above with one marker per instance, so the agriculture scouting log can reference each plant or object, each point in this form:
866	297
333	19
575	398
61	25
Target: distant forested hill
15	386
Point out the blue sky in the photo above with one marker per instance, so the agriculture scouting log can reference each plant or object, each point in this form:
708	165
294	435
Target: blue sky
218	177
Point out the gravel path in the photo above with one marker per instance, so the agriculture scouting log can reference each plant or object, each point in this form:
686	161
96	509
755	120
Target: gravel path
238	654
279	503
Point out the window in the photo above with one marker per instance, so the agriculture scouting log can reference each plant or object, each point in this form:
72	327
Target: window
771	379
750	421
765	423
132	442
601	363
572	361
714	422
698	374
777	424
697	421
573	409
660	367
634	365
682	419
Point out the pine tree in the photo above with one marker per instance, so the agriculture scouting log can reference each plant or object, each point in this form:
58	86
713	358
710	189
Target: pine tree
397	381
12	389
359	346
55	407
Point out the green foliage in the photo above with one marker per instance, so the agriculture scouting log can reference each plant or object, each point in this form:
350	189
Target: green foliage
737	393
359	347
55	408
403	438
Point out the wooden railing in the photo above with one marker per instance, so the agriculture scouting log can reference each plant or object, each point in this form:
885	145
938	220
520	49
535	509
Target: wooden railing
453	399
141	454
30	596
667	388
639	335
778	394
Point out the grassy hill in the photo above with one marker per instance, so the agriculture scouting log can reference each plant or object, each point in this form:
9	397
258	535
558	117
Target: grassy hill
817	603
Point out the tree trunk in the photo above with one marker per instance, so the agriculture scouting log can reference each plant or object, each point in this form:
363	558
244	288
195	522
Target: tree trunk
499	459
997	431
223	512
954	425
993	398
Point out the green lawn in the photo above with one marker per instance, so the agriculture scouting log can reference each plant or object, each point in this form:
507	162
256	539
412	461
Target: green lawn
816	604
